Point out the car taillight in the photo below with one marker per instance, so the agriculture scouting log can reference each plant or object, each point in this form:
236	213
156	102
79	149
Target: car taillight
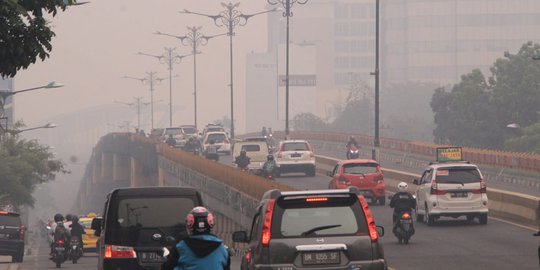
119	252
317	199
344	180
434	190
369	219
21	232
379	179
308	147
226	141
279	154
311	155
483	188
267	226
406	216
248	256
206	142
60	243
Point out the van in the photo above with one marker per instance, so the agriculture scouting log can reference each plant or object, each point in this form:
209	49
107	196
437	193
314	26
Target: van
138	222
257	151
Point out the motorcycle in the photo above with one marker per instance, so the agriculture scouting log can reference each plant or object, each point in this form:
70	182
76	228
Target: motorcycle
404	228
538	234
353	152
75	250
59	254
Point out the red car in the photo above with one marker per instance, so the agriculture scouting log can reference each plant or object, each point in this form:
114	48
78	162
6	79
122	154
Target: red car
365	174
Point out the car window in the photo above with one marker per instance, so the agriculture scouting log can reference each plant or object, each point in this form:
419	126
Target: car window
150	212
426	177
11	221
336	168
296	146
360	168
457	175
251	148
214	129
218	138
189	130
173	131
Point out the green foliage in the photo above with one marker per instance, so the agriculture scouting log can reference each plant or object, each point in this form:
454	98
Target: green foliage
476	111
308	121
528	142
24	164
25	34
356	117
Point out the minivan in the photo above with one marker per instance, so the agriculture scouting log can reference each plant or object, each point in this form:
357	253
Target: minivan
138	222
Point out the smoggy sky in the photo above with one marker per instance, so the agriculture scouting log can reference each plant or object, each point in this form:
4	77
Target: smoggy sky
96	44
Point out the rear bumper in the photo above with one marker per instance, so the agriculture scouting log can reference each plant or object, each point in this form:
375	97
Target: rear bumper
128	264
11	247
295	167
458	212
371	265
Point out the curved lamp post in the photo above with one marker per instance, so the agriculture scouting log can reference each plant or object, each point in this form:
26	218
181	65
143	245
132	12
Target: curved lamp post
287	5
15	132
5	93
231	17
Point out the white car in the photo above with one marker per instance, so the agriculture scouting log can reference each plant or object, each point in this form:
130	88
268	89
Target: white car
295	156
176	133
451	190
256	151
220	139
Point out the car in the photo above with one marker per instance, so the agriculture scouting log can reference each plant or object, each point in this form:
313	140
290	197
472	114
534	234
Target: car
89	238
365	174
316	229
12	233
220	139
451	189
295	156
257	152
138	222
176	133
189	131
213	128
269	140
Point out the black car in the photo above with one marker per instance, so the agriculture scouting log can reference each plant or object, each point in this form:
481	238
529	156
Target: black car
138	222
319	229
11	236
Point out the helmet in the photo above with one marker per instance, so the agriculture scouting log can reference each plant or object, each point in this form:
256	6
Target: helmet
69	217
243	153
199	220
75	219
58	217
270	157
351	138
402	186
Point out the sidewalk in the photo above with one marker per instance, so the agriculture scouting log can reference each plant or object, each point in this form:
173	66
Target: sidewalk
9	266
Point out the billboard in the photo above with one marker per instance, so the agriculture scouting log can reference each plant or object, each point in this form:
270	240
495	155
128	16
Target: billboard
447	154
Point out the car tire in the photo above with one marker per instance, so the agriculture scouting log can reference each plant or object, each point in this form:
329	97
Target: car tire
311	172
483	219
18	258
429	219
419	217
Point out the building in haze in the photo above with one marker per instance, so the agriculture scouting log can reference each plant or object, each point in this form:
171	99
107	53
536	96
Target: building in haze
333	43
6	116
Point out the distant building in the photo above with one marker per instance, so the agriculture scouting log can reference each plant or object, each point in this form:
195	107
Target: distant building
6	116
421	41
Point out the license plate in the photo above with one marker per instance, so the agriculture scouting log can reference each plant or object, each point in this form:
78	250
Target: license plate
459	194
59	248
315	258
151	257
296	155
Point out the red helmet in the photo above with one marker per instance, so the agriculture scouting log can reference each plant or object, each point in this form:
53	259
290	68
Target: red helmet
199	220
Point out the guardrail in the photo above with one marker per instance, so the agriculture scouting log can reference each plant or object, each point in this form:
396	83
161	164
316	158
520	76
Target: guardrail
519	208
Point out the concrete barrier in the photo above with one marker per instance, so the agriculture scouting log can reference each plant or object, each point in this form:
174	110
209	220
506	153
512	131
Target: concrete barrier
514	207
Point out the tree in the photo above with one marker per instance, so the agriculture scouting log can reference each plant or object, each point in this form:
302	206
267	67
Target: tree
528	142
24	164
308	121
25	34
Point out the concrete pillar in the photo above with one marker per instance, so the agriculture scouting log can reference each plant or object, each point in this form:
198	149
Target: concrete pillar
138	178
161	177
107	166
121	167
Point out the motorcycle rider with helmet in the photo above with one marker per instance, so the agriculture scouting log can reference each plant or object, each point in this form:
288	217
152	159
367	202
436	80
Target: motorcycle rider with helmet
352	141
402	201
201	249
58	231
242	161
269	167
77	230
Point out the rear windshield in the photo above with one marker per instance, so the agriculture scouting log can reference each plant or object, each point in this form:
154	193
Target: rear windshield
214	129
218	138
11	221
189	130
360	168
459	175
153	212
296	146
173	131
251	148
312	219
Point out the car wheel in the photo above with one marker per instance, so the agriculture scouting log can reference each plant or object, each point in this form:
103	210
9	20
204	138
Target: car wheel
311	172
419	217
483	219
406	240
18	257
429	219
470	218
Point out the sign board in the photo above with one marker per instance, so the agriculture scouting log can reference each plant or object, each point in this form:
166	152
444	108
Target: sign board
446	154
298	80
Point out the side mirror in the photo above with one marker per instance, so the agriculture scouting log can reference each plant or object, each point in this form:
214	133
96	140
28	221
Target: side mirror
240	237
415	181
380	231
329	174
96	225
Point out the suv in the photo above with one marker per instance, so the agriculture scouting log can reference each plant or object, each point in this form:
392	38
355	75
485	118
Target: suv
138	222
177	133
451	189
295	156
220	139
365	174
318	229
11	236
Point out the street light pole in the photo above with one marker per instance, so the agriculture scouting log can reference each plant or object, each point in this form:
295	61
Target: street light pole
170	57
230	18
138	104
15	132
287	4
151	79
376	141
193	38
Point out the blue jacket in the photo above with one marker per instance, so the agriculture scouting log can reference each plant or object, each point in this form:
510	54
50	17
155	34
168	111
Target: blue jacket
204	251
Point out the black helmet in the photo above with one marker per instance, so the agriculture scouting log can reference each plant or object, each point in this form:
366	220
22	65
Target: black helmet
69	217
75	219
270	157
243	153
58	217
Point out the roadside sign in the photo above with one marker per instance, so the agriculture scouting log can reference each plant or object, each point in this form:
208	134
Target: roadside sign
446	154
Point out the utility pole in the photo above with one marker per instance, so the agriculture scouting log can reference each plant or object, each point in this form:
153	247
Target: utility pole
152	80
137	105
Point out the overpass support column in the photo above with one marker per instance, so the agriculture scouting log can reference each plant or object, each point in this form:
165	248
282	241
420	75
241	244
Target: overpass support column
121	167
107	166
138	177
161	177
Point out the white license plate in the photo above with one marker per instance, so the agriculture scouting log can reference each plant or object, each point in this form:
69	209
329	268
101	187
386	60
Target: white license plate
59	248
459	194
324	257
151	257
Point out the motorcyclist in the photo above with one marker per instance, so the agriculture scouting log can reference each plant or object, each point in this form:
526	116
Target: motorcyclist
538	234
57	218
211	151
58	231
352	141
77	230
264	132
269	167
200	250
170	141
242	161
402	201
192	145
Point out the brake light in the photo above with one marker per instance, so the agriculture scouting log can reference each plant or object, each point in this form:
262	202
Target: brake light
434	190
21	232
248	256
483	188
317	199
344	180
279	154
311	155
308	146
369	219
379	179
267	226
406	216
206	142
119	252
3	213
226	141
60	243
